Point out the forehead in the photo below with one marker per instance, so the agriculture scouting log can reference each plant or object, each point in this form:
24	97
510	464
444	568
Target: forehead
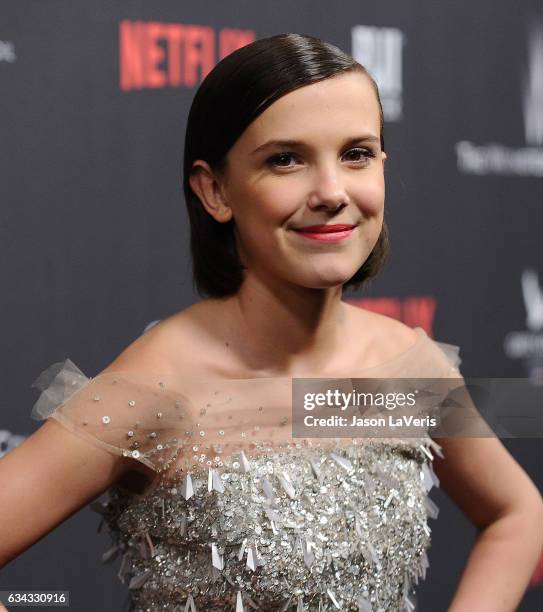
338	106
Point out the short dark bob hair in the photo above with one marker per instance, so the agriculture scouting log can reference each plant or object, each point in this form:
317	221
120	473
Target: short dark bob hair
238	89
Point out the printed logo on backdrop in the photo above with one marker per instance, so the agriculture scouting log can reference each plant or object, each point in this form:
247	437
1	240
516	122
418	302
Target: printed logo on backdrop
413	310
156	55
528	345
380	51
499	159
7	51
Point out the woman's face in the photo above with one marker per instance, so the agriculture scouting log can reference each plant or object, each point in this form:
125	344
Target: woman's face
331	173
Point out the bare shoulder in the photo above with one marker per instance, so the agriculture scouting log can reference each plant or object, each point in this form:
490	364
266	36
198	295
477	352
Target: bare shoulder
384	336
145	354
172	346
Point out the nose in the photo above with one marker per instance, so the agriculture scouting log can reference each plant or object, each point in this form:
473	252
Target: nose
329	193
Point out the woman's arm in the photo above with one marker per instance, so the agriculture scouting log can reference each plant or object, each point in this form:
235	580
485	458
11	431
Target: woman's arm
495	493
45	480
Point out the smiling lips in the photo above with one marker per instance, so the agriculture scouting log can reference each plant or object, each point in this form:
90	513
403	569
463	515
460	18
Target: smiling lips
327	233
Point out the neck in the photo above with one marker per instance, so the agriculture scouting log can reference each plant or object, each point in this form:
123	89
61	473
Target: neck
285	330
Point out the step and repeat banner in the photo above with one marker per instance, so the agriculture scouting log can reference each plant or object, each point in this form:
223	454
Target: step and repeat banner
94	99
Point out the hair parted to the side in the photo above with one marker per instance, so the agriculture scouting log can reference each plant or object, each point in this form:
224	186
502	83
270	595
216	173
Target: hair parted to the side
238	89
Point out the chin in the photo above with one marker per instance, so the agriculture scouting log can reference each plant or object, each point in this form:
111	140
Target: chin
321	274
325	282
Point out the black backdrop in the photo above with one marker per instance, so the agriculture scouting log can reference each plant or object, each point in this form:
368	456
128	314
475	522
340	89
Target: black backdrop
93	103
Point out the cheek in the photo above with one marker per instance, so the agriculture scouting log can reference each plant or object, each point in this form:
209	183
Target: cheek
258	214
266	205
370	196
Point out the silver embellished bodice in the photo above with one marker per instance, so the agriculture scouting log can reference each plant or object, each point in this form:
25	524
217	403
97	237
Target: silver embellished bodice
300	529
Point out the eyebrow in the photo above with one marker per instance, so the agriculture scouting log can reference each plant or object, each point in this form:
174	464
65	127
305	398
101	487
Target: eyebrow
300	143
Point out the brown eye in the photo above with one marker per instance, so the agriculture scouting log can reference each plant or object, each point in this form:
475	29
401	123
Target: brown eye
359	151
275	160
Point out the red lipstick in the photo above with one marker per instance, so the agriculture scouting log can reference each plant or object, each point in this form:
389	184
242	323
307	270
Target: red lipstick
327	233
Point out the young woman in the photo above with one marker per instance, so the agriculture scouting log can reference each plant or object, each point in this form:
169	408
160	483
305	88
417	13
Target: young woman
213	503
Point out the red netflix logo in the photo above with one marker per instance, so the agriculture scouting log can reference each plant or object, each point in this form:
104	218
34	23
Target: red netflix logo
155	55
415	311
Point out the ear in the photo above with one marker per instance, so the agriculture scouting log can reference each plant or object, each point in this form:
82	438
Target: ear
383	156
208	189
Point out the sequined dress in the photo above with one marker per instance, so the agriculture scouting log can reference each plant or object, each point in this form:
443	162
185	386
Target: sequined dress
241	515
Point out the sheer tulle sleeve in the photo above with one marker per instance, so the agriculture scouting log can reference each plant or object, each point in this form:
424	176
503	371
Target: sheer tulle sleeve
149	416
459	415
448	359
123	413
